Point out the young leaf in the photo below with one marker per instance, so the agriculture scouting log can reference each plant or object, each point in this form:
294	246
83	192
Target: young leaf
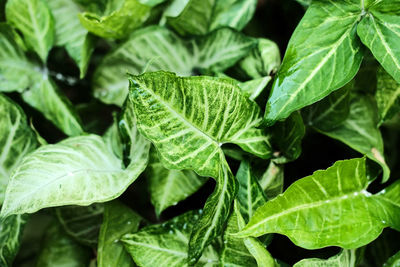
323	54
156	48
34	19
60	250
77	171
345	258
71	34
167	244
81	223
11	230
379	30
118	220
187	139
167	187
45	96
321	210
119	19
360	131
15	69
16	140
387	96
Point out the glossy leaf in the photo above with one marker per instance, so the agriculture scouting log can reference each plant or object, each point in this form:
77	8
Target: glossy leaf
119	19
156	48
15	69
387	96
71	34
346	258
321	210
360	131
167	244
118	220
16	140
60	250
323	54
34	19
199	17
81	223
46	97
168	187
11	230
379	30
51	175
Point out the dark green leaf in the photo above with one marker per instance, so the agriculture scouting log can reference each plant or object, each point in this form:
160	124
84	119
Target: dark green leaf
11	229
387	96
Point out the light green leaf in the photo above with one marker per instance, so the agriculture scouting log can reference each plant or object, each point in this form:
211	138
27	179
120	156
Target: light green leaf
254	88
77	171
271	181
118	220
250	194
393	261
35	21
156	48
389	199
45	96
168	187
379	30
119	19
113	140
16	140
202	16
387	96
82	223
151	2
321	210
187	139
71	34
323	54
263	60
286	137
11	230
60	250
360	131
346	258
167	244
15	68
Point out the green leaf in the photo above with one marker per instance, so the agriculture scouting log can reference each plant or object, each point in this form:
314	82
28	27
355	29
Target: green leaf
16	140
202	16
271	181
263	60
286	137
387	96
389	200
35	21
346	258
250	194
113	140
118	220
15	68
46	97
254	88
321	210
168	187
71	34
151	2
323	54
11	230
360	131
187	139
394	261
60	250
156	48
119	19
379	30
81	223
77	171
167	244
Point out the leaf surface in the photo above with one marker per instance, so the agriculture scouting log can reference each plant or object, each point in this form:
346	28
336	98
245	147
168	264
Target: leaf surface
387	96
11	230
344	258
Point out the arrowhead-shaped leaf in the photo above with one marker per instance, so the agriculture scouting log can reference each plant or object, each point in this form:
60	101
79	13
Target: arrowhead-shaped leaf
321	210
323	54
34	19
77	171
